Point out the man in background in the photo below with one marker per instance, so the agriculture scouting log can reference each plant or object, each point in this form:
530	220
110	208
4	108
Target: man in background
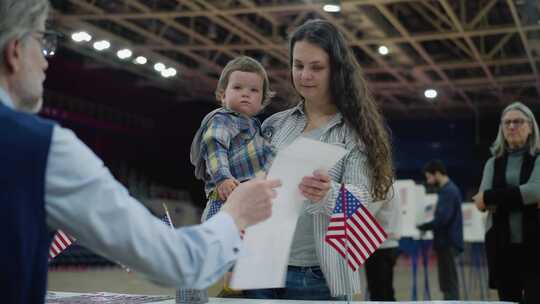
447	226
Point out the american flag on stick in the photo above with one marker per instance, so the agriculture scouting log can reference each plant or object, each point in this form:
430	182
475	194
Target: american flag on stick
167	217
353	232
60	242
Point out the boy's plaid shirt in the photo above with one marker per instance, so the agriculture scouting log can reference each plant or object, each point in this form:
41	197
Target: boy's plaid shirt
232	146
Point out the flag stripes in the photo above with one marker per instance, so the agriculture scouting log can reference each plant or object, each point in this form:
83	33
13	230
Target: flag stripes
353	232
60	242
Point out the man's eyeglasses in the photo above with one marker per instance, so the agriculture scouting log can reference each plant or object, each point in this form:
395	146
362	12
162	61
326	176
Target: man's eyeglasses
48	41
518	122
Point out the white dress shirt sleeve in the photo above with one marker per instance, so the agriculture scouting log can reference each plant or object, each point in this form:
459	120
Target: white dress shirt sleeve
83	199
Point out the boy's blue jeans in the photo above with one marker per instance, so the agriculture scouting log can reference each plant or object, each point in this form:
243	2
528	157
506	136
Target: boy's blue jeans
302	283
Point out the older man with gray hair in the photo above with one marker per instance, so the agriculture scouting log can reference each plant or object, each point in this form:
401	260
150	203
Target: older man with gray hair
50	180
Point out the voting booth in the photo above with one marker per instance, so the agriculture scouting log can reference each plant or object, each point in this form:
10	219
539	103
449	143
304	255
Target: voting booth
417	208
407	195
474	223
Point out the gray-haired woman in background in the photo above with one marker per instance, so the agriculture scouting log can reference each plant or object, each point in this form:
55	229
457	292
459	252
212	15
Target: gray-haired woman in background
510	192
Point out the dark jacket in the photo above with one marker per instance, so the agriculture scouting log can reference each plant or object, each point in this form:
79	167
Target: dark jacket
447	224
508	199
24	148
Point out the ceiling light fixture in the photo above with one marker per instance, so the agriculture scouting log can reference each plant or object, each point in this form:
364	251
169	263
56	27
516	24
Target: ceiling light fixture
124	54
159	67
332	8
81	37
141	60
102	45
430	93
383	50
170	72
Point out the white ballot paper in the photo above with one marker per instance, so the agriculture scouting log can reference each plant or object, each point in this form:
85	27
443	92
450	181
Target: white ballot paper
264	263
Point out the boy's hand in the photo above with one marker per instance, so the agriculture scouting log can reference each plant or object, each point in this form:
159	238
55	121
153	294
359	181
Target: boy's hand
226	187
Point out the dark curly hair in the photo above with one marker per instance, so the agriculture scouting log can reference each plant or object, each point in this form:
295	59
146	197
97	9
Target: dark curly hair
353	99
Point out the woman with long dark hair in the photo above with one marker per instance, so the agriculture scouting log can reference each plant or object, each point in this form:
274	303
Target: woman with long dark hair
335	107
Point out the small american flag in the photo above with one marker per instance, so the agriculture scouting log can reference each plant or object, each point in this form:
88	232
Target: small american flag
353	232
60	242
166	218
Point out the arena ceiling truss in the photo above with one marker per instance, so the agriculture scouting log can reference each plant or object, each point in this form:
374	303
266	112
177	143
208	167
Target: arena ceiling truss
477	54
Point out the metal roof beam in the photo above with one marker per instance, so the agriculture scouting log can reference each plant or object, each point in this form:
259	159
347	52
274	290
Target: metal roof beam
526	46
448	9
481	14
420	49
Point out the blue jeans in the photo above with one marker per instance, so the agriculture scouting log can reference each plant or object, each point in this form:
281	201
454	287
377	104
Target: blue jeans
302	283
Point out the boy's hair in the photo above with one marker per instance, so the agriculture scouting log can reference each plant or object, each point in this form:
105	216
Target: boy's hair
434	166
244	64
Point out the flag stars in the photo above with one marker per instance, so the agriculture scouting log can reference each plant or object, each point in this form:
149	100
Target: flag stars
353	232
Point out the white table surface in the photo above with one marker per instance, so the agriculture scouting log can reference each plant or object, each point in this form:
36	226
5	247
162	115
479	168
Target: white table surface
55	294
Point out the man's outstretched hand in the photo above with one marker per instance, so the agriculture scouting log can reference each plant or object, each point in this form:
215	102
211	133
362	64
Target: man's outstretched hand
251	202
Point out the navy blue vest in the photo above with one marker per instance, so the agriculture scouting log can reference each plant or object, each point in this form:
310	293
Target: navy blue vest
24	146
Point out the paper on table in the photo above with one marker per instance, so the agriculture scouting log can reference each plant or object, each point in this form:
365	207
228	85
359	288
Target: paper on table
268	243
